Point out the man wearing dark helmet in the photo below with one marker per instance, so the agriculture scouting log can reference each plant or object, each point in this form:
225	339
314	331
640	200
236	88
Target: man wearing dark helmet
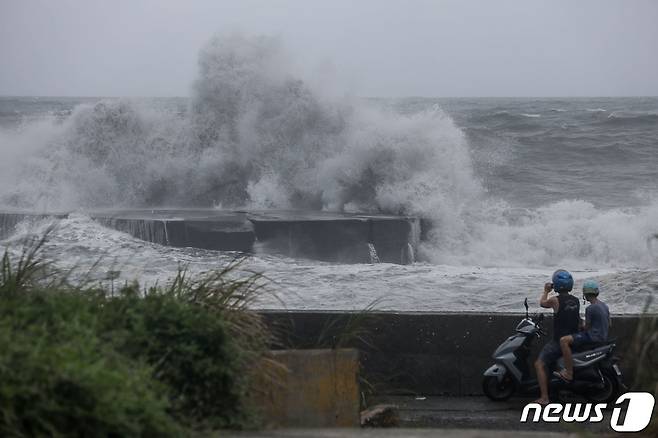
597	323
566	320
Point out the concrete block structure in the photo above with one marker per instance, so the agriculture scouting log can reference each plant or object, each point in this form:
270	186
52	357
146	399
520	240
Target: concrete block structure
331	237
311	388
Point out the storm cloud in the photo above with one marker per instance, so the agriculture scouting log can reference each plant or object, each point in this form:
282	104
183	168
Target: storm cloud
373	48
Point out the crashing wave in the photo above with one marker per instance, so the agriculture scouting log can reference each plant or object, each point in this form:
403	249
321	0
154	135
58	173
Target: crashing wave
256	136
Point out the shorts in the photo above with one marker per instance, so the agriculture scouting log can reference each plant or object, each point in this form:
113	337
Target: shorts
580	338
550	353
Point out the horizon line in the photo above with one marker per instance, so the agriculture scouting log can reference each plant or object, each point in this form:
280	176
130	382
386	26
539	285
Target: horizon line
88	96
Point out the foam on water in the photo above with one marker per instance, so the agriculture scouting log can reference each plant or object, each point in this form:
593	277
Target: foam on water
78	243
569	233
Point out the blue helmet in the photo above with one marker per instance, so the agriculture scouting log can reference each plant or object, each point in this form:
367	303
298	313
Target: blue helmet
562	281
591	287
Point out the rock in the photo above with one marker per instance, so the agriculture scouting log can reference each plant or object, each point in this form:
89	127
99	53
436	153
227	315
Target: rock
380	416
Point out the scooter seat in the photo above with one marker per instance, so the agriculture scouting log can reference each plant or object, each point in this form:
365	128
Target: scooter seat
595	345
587	357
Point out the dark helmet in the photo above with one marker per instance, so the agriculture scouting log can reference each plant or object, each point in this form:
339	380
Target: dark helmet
562	281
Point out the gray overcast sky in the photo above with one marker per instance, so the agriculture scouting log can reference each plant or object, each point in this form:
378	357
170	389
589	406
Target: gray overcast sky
375	48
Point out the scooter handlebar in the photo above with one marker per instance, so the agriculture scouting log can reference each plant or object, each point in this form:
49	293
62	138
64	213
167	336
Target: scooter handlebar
538	318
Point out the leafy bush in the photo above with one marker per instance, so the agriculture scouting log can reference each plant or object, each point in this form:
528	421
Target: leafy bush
88	362
190	350
57	377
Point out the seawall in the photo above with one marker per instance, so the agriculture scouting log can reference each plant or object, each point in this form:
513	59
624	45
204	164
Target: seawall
331	237
423	353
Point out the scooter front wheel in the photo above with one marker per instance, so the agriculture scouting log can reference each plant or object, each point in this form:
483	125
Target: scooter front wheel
498	390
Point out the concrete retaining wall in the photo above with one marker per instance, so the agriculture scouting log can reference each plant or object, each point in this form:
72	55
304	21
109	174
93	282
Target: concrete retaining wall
421	353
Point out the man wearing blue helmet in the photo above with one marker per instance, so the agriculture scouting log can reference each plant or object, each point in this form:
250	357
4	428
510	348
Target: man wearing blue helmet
597	323
566	320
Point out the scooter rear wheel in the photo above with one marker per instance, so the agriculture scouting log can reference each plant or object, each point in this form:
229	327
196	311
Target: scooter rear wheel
498	390
608	393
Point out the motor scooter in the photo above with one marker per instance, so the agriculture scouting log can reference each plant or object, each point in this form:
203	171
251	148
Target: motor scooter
597	376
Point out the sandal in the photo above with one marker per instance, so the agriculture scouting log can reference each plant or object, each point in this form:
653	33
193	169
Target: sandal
563	376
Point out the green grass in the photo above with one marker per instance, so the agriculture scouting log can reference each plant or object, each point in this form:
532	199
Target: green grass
162	361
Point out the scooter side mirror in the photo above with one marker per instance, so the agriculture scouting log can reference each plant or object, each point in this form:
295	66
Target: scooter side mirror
525	304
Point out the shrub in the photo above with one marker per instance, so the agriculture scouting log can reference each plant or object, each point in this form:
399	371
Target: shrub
190	350
85	361
57	377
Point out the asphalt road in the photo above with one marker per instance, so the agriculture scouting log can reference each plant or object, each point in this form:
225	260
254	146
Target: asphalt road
451	417
478	413
385	433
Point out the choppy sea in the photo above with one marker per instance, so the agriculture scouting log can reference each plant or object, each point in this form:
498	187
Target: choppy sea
515	187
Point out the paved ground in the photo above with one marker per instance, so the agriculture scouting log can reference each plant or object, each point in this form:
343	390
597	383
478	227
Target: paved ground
408	433
452	417
477	413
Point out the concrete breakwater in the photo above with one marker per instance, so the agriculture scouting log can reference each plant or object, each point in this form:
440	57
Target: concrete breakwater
423	353
332	237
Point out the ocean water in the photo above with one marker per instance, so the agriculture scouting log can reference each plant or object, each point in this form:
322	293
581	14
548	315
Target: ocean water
515	187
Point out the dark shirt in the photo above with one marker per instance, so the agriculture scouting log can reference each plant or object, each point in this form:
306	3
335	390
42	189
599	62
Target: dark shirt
597	319
567	318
